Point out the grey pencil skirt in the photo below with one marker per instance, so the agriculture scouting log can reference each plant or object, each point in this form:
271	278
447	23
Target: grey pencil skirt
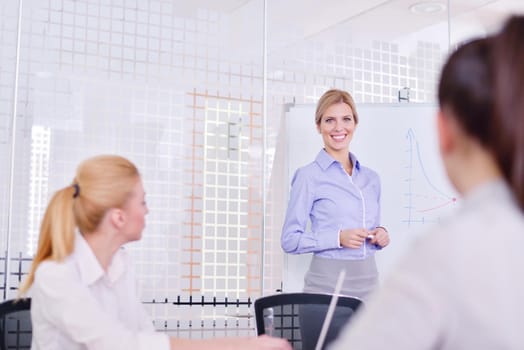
361	276
361	279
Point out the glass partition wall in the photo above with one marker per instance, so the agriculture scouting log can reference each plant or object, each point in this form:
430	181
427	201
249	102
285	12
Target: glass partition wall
194	92
175	86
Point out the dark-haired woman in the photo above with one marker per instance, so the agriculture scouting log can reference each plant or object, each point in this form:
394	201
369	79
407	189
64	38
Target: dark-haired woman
461	286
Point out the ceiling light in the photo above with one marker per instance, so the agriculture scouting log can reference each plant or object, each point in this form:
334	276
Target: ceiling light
427	7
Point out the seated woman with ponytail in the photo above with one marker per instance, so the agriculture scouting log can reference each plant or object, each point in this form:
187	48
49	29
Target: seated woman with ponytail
82	287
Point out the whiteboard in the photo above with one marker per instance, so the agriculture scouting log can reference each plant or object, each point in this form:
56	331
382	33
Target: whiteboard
398	141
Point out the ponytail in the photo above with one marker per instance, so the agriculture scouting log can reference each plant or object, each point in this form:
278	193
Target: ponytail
101	183
56	240
508	60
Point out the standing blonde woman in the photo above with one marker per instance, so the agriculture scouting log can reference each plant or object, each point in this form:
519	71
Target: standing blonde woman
81	284
341	199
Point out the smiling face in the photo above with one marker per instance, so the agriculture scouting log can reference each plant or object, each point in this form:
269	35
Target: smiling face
337	126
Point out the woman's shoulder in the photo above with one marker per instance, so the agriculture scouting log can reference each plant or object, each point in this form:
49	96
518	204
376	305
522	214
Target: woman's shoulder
308	172
50	271
309	167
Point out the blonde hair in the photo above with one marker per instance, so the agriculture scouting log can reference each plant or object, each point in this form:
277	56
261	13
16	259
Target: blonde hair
332	97
101	183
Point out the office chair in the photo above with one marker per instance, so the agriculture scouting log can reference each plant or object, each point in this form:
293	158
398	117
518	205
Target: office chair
15	324
298	317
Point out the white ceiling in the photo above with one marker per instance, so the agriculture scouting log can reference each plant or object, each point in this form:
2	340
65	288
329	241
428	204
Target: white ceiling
292	20
308	18
290	23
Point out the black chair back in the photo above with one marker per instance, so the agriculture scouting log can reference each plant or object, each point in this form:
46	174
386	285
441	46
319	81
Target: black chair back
15	324
298	317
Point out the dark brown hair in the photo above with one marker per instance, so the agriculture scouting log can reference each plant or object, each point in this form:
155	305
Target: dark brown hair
482	83
466	88
508	62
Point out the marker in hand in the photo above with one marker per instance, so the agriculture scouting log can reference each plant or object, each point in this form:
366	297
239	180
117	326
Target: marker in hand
371	237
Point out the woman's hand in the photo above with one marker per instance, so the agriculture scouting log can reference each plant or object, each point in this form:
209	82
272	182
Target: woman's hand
353	238
262	342
265	342
380	237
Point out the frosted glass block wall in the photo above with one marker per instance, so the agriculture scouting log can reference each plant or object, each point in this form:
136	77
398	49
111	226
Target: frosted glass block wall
161	83
195	93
